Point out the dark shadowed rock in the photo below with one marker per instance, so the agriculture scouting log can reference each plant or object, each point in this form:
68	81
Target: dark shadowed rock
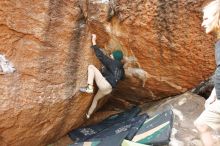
204	89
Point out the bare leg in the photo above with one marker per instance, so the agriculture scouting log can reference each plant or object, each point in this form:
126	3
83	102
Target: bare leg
97	97
95	74
91	74
103	85
206	134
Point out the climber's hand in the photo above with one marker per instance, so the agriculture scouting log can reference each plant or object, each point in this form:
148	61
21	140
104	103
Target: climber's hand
93	36
93	39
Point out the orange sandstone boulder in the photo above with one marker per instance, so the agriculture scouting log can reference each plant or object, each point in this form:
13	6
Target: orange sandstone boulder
48	42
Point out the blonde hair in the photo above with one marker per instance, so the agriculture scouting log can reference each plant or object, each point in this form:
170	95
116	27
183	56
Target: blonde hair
213	9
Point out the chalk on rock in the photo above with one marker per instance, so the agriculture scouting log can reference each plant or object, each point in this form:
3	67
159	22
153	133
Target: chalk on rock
5	65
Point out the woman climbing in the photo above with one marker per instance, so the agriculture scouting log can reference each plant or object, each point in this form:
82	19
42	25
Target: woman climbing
112	72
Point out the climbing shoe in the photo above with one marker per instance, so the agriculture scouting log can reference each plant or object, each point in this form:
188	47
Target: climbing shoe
87	89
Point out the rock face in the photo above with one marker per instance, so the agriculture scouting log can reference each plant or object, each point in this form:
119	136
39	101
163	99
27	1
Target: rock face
48	41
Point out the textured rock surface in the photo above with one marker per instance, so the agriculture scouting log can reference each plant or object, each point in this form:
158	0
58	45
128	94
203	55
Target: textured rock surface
48	42
167	40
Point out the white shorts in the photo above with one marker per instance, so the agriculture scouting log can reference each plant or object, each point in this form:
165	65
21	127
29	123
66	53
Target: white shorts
211	115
